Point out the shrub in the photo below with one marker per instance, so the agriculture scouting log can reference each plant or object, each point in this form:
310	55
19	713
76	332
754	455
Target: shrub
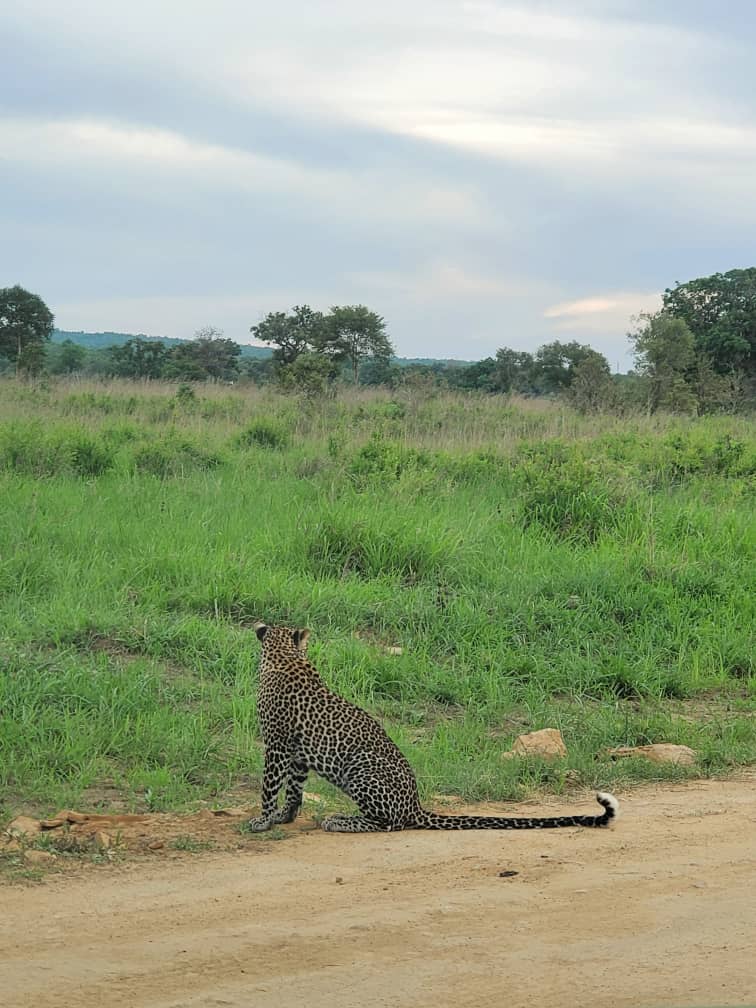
678	457
99	402
36	452
567	495
478	467
729	457
172	457
90	457
381	410
120	434
386	460
339	546
264	433
227	408
185	395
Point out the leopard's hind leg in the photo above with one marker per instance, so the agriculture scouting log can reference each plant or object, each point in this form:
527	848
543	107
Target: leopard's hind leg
354	824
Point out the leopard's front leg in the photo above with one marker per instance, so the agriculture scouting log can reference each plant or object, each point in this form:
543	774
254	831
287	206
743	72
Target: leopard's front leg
277	764
294	788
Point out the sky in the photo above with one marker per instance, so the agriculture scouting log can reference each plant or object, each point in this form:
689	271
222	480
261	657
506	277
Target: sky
482	174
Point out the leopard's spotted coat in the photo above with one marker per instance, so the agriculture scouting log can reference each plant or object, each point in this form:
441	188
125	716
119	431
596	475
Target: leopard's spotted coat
307	727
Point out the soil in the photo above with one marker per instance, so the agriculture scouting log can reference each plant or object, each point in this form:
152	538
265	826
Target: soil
657	911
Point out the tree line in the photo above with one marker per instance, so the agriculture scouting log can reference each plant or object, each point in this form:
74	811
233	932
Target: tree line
698	353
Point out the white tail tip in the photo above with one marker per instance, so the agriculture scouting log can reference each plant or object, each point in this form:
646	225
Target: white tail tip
608	801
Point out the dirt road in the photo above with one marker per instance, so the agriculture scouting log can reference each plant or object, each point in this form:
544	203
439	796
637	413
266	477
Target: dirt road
658	911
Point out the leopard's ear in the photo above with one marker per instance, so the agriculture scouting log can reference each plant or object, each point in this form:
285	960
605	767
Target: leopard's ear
300	640
261	629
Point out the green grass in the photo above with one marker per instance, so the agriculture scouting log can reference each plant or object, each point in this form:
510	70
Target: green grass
538	568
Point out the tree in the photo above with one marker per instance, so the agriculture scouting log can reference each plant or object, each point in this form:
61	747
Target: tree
67	359
353	333
181	364
98	362
717	392
379	371
291	334
311	374
258	371
481	376
592	389
26	325
208	355
720	312
554	364
138	358
513	370
423	379
665	355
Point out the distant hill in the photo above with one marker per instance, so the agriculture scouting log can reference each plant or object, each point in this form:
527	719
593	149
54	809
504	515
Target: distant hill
102	340
430	361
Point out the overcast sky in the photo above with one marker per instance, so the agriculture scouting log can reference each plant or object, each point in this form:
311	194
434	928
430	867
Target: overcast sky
482	174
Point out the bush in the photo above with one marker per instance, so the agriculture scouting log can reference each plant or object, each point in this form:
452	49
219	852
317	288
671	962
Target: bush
31	450
567	495
120	434
386	460
264	434
90	457
99	402
186	396
172	457
729	457
340	546
678	457
312	375
378	411
476	468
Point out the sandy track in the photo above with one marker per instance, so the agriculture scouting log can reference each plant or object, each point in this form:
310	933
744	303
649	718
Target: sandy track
658	911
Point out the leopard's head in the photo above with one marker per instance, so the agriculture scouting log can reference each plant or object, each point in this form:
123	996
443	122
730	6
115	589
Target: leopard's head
282	638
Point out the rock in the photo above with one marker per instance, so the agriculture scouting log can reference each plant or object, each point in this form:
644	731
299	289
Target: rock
102	840
230	813
9	844
52	823
546	743
112	821
371	639
156	845
24	826
68	816
572	602
660	752
39	857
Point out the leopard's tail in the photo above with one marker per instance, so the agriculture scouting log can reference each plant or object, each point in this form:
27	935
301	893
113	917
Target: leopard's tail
435	821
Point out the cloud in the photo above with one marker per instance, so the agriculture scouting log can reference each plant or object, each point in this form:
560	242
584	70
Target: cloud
602	320
603	312
443	280
469	169
124	148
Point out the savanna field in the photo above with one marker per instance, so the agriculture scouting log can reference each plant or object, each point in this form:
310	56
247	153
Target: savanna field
471	568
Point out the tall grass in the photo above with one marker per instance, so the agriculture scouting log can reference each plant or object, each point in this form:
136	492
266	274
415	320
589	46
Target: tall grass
534	566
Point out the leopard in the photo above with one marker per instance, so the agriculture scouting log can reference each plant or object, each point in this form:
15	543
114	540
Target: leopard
306	727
